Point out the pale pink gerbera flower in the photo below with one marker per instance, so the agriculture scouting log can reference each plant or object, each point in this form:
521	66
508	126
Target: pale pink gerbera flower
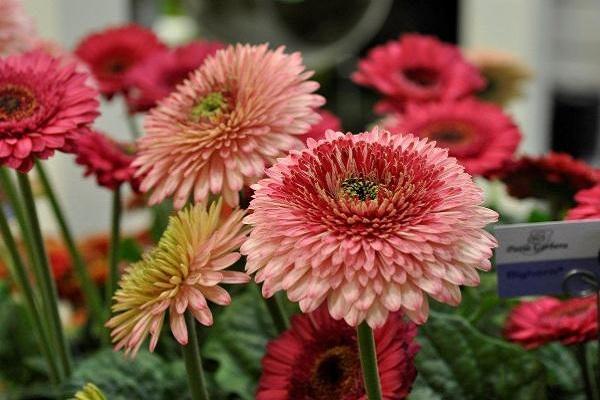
179	275
241	110
370	223
16	28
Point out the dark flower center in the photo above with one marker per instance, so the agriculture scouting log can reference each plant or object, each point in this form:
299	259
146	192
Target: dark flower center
335	373
117	66
448	136
424	77
16	103
209	106
360	188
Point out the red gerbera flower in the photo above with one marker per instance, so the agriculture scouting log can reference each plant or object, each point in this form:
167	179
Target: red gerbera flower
478	134
318	359
157	76
417	68
111	53
328	121
538	322
588	204
547	177
107	160
43	104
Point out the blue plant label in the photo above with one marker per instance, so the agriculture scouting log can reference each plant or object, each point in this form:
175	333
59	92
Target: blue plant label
533	259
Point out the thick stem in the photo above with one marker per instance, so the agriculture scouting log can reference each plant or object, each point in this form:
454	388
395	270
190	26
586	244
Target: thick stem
90	291
587	374
21	277
278	313
115	240
193	362
368	361
47	281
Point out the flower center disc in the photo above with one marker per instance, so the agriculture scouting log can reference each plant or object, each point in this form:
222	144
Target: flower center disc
334	374
16	103
423	77
360	188
209	106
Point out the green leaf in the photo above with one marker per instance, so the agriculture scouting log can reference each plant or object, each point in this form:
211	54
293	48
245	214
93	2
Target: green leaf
564	374
456	362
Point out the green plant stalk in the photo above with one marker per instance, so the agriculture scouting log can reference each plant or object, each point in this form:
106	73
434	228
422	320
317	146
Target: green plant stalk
368	361
587	373
115	240
90	291
47	281
193	361
278	314
19	273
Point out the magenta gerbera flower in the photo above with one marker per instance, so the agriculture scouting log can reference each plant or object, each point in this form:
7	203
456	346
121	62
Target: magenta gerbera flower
369	223
245	107
17	32
417	68
111	53
480	135
157	76
317	359
43	105
588	204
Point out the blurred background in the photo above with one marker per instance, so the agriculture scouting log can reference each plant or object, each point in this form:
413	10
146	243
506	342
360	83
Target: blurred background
560	109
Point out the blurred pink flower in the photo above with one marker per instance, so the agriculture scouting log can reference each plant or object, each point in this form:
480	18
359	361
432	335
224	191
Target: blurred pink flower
328	121
588	204
17	32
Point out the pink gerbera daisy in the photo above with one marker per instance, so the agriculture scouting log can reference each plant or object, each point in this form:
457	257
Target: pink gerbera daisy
109	161
111	53
16	28
479	135
544	320
43	104
157	76
245	107
417	68
317	359
328	121
588	204
369	223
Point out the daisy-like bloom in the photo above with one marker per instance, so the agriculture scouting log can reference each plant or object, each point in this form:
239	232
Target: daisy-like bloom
109	161
157	76
16	28
181	273
478	134
588	205
417	68
245	107
317	359
111	53
504	73
328	121
44	104
549	176
89	392
544	320
369	223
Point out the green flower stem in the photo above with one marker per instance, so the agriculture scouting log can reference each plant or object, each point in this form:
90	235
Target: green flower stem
133	128
587	373
278	313
113	273
20	275
89	289
368	361
193	362
50	301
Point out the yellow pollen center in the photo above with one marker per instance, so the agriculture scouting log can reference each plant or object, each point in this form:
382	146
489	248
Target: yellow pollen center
209	106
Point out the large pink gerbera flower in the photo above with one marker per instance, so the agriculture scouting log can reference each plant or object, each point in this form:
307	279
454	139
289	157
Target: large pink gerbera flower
479	135
239	112
157	76
111	53
370	223
16	28
317	359
43	104
417	68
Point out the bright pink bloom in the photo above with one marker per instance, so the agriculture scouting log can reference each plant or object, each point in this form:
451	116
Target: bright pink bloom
328	121
111	53
245	107
544	320
317	359
480	135
418	68
369	223
43	105
109	161
588	204
157	76
16	28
